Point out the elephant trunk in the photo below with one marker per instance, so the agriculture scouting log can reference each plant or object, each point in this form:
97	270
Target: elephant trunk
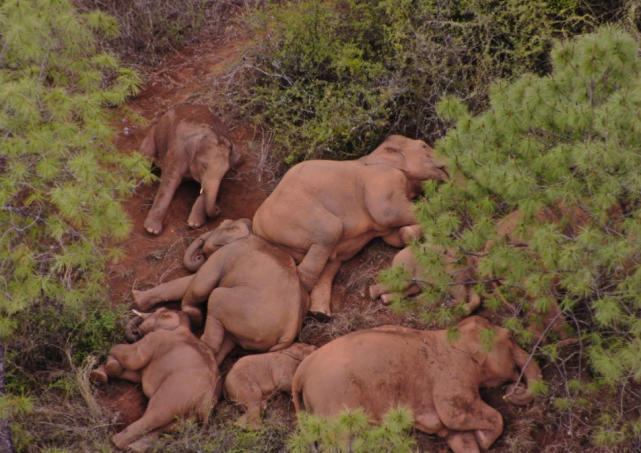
132	334
531	372
210	192
194	256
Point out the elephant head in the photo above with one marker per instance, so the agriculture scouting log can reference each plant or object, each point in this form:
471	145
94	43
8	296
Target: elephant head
414	157
162	318
227	232
211	159
299	351
498	363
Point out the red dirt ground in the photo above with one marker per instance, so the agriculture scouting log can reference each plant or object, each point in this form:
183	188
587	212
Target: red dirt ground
188	76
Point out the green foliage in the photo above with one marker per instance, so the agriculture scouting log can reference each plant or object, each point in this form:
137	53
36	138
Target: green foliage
353	432
61	180
562	149
333	78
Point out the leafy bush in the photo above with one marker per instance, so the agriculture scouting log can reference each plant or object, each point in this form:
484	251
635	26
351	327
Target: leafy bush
149	28
353	432
567	142
61	181
333	78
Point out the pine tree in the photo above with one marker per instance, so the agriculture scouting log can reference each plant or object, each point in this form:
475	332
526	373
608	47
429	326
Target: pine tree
61	180
353	432
567	142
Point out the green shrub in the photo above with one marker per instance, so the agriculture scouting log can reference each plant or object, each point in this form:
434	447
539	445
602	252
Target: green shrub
353	432
567	142
61	184
333	78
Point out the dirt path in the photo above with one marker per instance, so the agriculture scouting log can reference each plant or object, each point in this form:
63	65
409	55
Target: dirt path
189	76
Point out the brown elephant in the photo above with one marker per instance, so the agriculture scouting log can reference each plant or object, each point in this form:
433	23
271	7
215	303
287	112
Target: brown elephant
324	212
437	378
255	297
188	142
461	274
254	379
178	372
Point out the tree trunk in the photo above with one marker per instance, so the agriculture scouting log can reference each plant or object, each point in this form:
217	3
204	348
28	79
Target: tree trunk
5	427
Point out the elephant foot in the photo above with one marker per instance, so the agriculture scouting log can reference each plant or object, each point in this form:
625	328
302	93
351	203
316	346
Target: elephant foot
152	225
411	233
387	298
195	315
99	375
113	367
320	314
198	219
463	442
140	299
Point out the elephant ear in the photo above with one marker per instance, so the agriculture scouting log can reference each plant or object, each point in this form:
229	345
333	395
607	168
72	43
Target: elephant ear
234	152
386	155
233	231
468	341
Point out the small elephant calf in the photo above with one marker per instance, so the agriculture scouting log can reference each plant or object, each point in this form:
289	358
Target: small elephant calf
254	379
462	273
188	142
178	372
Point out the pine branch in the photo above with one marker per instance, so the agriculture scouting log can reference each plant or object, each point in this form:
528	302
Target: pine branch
6	445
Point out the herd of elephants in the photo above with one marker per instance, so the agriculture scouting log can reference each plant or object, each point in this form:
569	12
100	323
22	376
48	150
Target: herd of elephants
260	277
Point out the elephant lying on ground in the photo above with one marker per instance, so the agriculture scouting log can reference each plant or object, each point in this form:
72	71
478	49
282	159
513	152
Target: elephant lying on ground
460	289
255	297
380	368
178	374
188	142
324	212
256	378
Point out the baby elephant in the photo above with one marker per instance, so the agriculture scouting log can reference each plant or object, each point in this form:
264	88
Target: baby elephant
188	142
253	293
178	374
461	272
256	378
435	373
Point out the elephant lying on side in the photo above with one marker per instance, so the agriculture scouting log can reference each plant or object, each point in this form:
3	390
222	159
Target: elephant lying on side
256	378
324	212
255	297
178	374
380	368
188	142
461	289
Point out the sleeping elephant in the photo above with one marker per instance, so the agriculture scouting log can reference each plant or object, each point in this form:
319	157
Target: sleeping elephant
254	379
437	378
462	273
177	371
188	142
255	298
324	212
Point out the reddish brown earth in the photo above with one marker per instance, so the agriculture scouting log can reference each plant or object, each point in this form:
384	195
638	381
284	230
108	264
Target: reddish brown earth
188	76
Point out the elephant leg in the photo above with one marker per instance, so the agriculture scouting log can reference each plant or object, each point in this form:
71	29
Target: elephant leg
321	295
248	395
410	233
463	442
467	412
155	417
412	289
251	419
314	262
198	215
131	376
167	292
226	347
169	182
99	375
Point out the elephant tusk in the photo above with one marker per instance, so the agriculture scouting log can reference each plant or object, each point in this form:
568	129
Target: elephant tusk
201	190
137	313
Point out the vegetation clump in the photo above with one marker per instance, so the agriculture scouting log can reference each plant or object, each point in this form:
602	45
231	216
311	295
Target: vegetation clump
61	185
565	143
332	79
